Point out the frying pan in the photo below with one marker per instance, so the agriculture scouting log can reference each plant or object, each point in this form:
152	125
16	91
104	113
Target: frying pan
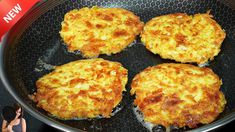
34	45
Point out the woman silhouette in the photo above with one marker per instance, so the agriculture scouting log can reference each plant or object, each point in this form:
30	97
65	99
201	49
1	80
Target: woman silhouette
17	124
8	115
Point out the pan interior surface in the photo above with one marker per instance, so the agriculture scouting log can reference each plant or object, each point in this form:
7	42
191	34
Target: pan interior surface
32	49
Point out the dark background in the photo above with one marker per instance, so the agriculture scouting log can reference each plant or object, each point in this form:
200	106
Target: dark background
34	125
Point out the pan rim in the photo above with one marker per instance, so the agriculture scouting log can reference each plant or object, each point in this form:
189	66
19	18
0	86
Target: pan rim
30	110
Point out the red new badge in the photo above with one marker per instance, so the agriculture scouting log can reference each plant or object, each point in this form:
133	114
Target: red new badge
11	11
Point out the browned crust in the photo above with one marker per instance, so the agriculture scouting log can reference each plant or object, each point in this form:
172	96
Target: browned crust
83	89
184	100
199	35
116	27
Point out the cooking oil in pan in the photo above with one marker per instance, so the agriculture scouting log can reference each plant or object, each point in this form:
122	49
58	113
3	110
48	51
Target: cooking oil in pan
140	118
118	108
204	64
41	66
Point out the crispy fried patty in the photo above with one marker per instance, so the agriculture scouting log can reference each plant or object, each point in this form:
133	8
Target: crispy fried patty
184	38
178	94
99	30
82	89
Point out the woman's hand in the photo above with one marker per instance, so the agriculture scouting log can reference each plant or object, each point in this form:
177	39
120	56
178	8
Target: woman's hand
17	115
9	128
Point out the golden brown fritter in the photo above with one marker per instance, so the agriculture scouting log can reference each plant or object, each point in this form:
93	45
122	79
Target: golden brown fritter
184	38
99	30
82	89
178	94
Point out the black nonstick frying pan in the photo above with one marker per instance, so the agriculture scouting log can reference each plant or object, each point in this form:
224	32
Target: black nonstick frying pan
34	45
